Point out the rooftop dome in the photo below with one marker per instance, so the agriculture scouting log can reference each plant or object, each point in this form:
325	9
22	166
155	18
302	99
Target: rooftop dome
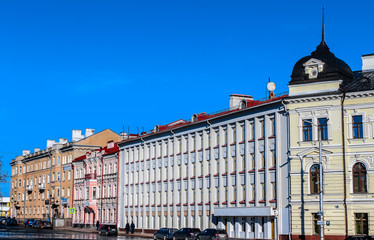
321	65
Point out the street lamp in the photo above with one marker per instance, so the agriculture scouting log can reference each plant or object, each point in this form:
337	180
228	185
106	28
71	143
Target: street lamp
321	222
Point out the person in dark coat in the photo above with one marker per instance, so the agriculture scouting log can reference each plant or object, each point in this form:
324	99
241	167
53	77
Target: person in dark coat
97	225
132	227
127	228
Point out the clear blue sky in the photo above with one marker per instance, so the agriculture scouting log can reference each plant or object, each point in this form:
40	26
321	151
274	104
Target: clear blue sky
107	64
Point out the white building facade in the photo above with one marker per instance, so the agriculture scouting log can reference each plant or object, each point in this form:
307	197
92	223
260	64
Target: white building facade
228	170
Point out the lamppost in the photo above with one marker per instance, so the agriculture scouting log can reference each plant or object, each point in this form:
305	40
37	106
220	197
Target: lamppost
321	222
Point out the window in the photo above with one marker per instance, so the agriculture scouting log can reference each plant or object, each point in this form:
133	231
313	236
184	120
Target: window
314	179
262	159
253	191
361	222
316	227
253	160
94	193
359	178
322	128
307	130
272	127
261	128
274	190
357	126
273	158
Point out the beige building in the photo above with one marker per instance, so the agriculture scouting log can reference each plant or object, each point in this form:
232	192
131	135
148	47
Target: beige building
329	103
42	182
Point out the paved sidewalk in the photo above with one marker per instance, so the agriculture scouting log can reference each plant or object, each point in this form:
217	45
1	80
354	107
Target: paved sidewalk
76	229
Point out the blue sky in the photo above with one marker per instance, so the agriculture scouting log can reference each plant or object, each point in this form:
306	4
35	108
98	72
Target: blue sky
107	64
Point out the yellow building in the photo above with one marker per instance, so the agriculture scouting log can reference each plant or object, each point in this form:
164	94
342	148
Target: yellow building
42	182
328	100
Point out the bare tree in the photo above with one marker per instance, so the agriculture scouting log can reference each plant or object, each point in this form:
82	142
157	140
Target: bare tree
3	175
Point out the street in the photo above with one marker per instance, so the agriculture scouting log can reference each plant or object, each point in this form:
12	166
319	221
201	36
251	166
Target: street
20	232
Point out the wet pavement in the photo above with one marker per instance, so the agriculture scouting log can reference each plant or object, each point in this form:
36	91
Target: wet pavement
20	232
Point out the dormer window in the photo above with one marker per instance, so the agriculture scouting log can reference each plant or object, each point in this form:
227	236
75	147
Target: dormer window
242	104
312	67
194	118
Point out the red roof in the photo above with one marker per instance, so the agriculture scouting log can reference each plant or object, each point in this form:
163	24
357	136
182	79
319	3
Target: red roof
80	158
204	116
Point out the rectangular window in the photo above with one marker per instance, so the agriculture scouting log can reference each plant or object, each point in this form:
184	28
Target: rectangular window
361	222
322	128
273	158
274	190
251	131
87	192
224	136
261	128
253	191
263	191
316	227
94	193
253	160
357	126
262	159
307	130
272	127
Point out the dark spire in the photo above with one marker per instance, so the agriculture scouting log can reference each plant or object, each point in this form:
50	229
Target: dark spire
323	44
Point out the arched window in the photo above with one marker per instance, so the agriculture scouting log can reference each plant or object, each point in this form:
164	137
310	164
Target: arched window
314	179
359	178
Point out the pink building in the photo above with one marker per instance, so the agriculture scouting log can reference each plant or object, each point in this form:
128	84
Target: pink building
95	197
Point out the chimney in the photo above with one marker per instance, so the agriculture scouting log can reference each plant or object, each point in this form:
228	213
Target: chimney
110	144
124	136
367	62
90	132
77	135
236	98
63	140
25	152
50	143
36	150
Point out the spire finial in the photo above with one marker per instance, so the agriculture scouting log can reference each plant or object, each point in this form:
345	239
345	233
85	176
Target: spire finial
323	44
323	22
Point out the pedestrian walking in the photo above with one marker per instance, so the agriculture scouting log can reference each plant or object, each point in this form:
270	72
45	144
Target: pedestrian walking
132	227
97	225
127	228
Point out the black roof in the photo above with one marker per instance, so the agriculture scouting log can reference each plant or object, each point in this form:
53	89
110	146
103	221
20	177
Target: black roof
334	67
363	81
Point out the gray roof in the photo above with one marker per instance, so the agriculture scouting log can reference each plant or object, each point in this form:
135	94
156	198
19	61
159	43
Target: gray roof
363	81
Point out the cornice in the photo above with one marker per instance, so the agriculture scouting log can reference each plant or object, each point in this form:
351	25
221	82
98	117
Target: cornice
309	99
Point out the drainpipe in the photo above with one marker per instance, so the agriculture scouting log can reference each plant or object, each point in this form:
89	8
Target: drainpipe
50	188
144	157
289	176
24	198
118	167
102	192
210	153
73	190
344	167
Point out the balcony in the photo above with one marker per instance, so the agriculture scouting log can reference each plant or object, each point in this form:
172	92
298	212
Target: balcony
90	176
29	188
41	186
